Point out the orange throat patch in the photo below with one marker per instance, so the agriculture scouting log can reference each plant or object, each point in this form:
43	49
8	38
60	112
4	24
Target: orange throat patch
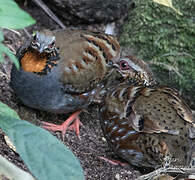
33	61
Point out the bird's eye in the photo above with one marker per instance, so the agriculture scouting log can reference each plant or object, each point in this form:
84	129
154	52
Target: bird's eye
34	39
124	65
52	45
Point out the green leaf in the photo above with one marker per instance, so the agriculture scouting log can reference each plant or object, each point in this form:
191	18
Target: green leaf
4	49
1	35
11	171
5	110
1	57
1	39
46	157
11	16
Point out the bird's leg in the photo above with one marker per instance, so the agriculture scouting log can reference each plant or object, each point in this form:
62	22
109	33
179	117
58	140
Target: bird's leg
68	124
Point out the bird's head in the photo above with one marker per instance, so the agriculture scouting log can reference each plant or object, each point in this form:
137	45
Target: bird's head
43	41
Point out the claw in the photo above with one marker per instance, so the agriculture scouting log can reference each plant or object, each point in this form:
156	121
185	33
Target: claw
66	125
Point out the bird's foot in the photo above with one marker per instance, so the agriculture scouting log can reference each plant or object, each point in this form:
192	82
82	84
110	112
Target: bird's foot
68	124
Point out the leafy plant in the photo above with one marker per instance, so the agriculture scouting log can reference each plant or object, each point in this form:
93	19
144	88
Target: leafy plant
165	39
11	171
12	17
45	156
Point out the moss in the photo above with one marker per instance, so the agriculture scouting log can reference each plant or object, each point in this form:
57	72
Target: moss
161	36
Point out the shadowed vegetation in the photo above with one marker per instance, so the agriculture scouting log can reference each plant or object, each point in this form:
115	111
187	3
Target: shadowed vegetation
166	40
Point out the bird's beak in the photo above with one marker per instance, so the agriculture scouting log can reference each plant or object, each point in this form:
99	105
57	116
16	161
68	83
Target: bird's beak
41	48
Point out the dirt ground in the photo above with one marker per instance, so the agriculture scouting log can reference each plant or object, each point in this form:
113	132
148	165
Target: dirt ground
92	143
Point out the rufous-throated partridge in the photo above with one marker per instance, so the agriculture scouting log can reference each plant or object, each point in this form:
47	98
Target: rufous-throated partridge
60	71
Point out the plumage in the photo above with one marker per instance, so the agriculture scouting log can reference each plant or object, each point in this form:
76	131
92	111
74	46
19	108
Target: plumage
61	70
145	124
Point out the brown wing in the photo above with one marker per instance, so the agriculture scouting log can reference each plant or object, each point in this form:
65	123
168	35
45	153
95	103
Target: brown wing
84	57
143	128
159	110
178	104
135	147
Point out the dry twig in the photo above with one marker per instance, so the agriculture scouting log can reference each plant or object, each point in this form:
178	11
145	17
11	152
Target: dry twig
179	170
168	67
42	5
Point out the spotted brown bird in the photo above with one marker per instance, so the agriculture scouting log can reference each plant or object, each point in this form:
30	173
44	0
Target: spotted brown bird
148	126
61	71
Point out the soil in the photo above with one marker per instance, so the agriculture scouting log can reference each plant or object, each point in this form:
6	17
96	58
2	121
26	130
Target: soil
92	143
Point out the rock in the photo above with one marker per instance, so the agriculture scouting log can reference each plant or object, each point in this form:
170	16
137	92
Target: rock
74	12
